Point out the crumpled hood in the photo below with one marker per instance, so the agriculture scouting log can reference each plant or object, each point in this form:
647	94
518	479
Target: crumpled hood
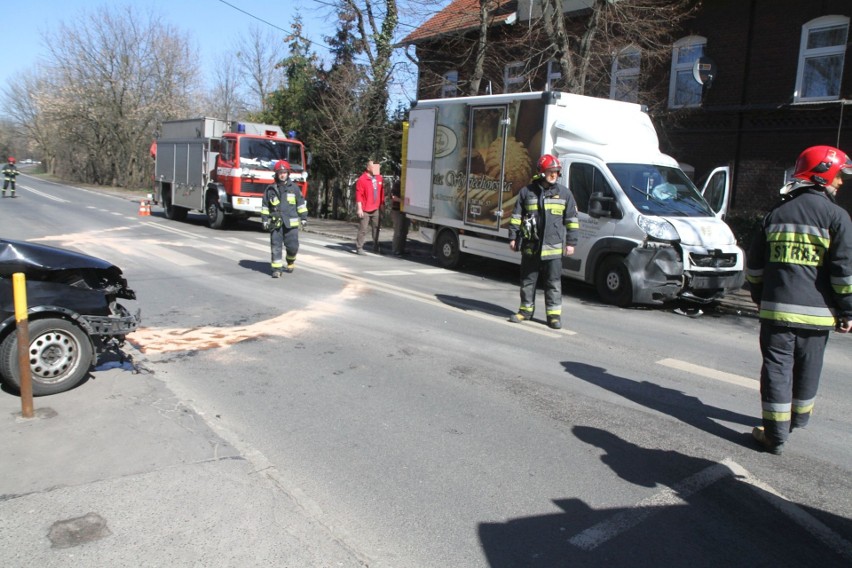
707	232
20	256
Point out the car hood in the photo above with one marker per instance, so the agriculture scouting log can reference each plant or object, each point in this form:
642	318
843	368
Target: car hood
49	264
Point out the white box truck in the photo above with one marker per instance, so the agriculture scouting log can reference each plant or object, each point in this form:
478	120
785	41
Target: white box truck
647	235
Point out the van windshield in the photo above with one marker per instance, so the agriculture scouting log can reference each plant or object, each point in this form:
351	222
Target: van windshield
660	190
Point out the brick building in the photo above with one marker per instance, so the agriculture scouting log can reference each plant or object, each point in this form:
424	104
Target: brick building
781	80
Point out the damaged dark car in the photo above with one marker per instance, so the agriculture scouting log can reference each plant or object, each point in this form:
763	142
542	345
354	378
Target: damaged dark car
73	314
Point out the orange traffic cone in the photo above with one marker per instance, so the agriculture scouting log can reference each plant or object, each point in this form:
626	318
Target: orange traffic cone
144	209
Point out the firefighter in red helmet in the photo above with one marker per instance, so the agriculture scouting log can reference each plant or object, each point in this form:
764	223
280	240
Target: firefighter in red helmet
800	275
544	227
10	172
283	212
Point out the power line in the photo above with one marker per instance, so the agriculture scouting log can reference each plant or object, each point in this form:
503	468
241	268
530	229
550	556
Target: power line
288	32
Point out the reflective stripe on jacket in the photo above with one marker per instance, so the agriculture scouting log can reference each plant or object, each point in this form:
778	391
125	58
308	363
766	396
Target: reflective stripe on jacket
285	202
800	264
555	212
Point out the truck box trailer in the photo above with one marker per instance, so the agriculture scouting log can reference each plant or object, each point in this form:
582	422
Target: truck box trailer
646	233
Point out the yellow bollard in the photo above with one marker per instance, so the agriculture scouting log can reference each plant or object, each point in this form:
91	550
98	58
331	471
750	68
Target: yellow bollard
19	287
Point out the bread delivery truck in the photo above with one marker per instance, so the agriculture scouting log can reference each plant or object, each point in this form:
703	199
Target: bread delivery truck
647	235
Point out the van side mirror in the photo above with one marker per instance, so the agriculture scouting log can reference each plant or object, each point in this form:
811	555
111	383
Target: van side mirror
601	205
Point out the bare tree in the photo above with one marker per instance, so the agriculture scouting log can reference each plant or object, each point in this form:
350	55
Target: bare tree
225	99
259	53
584	42
110	79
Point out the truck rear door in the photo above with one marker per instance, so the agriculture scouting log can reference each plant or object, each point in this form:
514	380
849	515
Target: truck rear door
418	164
483	190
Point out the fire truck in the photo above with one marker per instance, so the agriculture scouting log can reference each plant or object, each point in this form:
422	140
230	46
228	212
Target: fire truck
221	168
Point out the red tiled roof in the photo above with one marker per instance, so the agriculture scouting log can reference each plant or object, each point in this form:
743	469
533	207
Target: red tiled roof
458	16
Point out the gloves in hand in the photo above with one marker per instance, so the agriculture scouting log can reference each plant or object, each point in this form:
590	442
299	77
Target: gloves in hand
266	225
304	223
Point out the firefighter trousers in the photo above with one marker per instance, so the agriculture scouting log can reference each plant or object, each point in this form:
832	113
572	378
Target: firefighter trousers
550	272
287	239
789	377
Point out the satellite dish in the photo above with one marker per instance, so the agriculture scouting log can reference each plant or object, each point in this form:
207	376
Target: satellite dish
704	70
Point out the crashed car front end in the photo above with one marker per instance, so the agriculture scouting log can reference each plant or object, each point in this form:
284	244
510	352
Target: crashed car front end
63	286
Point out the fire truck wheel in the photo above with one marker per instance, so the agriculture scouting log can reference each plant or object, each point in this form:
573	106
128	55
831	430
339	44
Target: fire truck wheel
447	249
173	212
613	282
215	215
60	356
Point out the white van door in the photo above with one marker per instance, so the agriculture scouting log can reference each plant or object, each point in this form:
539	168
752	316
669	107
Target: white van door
717	190
585	179
417	193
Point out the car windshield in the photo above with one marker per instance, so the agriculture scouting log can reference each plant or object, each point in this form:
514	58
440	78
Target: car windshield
660	190
262	152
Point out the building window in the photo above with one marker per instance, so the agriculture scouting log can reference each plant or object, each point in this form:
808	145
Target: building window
625	75
684	90
554	76
821	55
513	77
450	85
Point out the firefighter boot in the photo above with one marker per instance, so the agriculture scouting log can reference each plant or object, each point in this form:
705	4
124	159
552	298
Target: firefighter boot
290	267
522	315
759	434
554	322
276	273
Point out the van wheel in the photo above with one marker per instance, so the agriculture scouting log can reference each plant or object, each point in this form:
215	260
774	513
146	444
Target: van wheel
60	356
447	249
215	214
613	282
173	212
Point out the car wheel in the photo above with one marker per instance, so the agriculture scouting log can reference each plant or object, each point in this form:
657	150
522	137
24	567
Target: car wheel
215	214
447	249
613	282
60	356
173	212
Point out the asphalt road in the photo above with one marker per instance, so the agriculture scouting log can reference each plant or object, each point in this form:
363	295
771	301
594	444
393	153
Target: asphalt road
414	426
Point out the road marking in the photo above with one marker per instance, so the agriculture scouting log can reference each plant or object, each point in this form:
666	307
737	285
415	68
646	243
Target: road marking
623	521
389	272
42	194
710	373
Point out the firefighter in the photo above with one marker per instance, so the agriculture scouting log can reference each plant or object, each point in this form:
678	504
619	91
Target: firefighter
800	275
283	211
10	172
544	226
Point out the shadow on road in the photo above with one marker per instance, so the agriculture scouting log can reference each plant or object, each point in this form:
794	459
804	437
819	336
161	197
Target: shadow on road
702	514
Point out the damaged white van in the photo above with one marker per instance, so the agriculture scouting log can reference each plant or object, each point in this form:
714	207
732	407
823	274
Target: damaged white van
647	235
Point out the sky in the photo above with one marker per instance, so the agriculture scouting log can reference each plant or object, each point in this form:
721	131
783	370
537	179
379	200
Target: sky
212	25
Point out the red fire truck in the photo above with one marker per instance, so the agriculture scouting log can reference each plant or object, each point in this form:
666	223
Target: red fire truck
221	168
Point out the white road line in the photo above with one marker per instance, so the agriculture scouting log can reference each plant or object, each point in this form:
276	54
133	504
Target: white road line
169	228
621	522
42	194
389	272
430	270
169	255
710	373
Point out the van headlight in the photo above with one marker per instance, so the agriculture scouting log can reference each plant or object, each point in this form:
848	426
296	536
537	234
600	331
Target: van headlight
658	229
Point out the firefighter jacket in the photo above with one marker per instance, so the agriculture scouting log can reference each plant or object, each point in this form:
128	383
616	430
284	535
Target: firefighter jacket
545	220
800	263
10	171
283	206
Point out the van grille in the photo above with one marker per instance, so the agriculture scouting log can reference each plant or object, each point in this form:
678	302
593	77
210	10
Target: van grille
713	260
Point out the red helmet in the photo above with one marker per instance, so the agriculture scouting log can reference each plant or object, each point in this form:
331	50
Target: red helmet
548	162
821	164
282	165
11	159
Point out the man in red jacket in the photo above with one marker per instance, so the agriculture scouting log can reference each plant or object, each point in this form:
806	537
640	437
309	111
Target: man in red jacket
369	198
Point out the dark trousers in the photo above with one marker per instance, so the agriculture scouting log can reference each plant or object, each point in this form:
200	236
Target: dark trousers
550	271
400	231
789	376
284	238
7	182
373	217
